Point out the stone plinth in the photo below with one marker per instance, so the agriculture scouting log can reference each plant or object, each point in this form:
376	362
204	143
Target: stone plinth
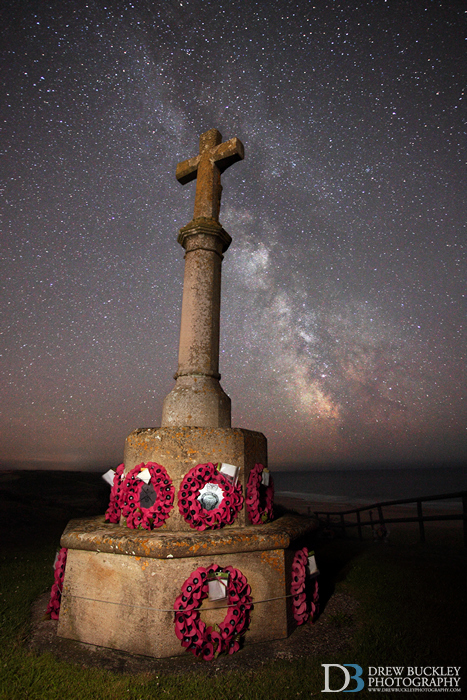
120	585
180	449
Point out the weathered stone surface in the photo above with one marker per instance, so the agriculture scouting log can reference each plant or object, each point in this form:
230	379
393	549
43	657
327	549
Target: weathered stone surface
197	400
127	603
214	157
95	535
119	589
204	234
180	449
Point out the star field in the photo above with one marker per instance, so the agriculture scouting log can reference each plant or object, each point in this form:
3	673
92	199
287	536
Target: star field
343	309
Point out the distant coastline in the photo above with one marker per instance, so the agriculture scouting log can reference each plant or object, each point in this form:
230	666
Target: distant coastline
367	486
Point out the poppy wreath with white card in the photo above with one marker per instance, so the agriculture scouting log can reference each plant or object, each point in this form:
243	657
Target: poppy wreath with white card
304	589
148	496
113	512
201	640
260	497
207	499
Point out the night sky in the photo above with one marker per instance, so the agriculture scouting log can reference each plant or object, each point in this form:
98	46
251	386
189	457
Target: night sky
343	308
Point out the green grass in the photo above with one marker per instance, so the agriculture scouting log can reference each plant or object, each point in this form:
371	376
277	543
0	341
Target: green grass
413	608
411	612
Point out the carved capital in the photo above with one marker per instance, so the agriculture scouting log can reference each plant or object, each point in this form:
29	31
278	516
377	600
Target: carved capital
204	233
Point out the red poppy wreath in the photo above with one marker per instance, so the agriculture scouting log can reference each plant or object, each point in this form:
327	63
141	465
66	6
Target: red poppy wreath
304	590
147	505
207	499
259	498
113	512
193	633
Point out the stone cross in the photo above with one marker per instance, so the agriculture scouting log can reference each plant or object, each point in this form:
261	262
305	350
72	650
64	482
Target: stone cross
198	400
214	157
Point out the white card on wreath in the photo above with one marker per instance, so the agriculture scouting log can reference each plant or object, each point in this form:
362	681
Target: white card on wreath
265	477
230	471
312	567
217	589
109	477
144	475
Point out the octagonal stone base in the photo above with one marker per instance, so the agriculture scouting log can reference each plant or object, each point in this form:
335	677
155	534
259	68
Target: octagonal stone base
120	585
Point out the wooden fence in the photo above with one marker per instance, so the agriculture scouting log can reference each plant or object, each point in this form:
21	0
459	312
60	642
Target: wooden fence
382	520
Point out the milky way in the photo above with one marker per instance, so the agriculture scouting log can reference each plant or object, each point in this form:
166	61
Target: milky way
344	288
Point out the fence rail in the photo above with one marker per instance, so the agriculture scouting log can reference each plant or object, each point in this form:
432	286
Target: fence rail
382	520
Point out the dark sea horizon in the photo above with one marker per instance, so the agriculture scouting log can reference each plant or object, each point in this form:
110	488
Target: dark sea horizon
370	485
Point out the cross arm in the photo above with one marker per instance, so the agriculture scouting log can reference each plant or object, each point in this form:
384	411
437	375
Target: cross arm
186	171
228	153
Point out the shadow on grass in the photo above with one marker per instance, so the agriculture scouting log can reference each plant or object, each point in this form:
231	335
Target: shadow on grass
335	559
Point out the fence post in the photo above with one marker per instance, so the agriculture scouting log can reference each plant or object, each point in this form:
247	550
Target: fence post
381	519
360	535
421	524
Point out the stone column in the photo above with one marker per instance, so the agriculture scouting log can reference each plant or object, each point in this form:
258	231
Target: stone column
198	399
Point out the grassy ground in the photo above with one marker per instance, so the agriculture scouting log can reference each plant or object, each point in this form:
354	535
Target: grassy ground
412	607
